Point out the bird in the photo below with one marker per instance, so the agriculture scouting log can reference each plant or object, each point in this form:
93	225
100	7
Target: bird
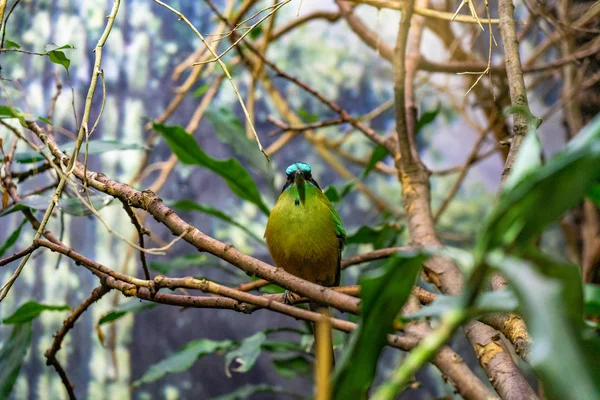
304	233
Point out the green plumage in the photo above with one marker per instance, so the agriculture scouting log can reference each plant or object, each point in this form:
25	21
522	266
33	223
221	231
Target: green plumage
304	233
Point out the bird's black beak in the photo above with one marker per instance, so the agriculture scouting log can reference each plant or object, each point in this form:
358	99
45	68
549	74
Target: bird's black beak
300	181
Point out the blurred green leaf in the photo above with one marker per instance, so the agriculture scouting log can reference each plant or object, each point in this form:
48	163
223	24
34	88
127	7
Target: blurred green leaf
246	391
427	118
378	154
560	184
272	289
70	206
12	355
189	205
188	152
307	116
201	90
230	130
45	120
193	260
30	310
133	306
291	367
591	295
11	45
256	32
487	302
183	359
246	354
594	194
7	112
563	351
379	236
94	147
332	194
384	291
12	238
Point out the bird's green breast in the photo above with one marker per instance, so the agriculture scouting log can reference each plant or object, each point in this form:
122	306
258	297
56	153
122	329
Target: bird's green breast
304	237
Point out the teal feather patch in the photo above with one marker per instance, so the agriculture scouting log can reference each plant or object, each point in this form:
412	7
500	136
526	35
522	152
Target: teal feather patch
297	166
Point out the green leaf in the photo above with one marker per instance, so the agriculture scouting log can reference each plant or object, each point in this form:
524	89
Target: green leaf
237	178
379	237
71	206
384	291
487	302
427	118
12	355
45	120
30	310
246	391
332	194
245	355
94	147
558	185
256	32
179	263
189	205
291	367
201	90
183	359
7	112
591	296
133	306
230	130
307	117
379	154
11	45
563	350
12	238
59	57
594	194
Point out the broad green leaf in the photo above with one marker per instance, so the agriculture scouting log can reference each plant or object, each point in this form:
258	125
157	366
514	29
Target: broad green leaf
427	118
12	355
133	306
12	238
380	236
246	354
291	367
230	130
7	112
487	302
384	291
272	289
551	301
256	32
30	310
280	346
189	205
188	152
94	147
247	391
70	206
591	295
379	154
59	57
11	45
183	359
558	185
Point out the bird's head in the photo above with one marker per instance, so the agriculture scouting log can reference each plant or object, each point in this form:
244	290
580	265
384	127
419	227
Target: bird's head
298	175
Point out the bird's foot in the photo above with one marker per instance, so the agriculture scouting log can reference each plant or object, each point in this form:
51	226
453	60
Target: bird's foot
289	297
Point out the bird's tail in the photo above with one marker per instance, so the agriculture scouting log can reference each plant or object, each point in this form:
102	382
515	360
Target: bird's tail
323	350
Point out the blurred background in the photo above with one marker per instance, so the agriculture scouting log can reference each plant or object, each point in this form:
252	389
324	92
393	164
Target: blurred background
149	76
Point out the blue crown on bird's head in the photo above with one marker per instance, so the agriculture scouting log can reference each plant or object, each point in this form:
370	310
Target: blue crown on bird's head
297	166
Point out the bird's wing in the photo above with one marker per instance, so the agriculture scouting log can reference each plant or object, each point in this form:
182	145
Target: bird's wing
340	232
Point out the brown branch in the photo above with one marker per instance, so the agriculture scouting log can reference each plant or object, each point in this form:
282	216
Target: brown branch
68	324
141	232
30	249
21	176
